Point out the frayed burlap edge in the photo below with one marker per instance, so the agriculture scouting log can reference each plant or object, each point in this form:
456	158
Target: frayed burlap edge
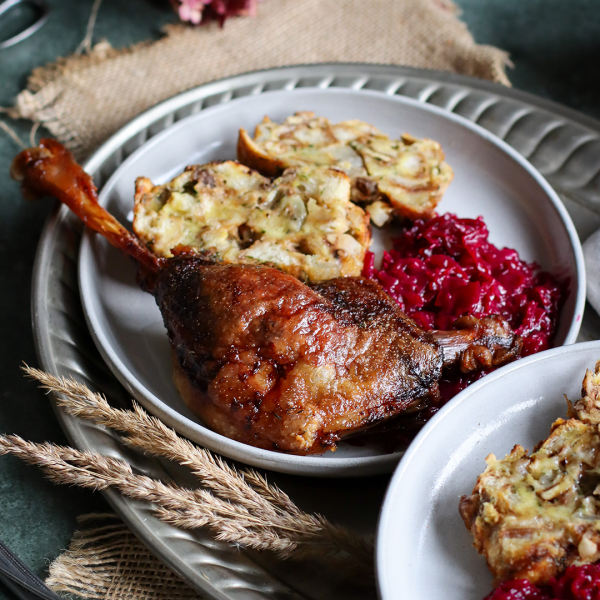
83	99
106	561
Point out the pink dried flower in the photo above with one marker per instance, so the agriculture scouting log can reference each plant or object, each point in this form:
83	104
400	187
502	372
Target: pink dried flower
196	11
191	10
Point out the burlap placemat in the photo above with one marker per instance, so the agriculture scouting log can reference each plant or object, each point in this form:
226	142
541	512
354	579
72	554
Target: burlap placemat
106	561
83	99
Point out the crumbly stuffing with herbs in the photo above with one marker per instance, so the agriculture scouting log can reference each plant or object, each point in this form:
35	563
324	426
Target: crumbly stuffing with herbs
302	223
405	176
532	516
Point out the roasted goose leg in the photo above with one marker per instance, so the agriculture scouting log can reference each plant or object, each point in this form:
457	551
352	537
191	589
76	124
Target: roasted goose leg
264	358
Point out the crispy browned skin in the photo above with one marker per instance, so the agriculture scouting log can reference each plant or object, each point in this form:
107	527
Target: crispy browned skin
264	358
278	365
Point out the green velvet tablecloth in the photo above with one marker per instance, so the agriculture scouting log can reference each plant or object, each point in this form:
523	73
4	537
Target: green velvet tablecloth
555	48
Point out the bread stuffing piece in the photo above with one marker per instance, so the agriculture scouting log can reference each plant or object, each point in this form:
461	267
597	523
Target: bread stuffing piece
407	176
302	223
532	516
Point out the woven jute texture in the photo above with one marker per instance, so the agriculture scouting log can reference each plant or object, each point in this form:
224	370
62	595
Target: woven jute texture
106	561
83	99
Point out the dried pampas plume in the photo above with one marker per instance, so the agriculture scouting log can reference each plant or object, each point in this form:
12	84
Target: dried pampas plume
239	507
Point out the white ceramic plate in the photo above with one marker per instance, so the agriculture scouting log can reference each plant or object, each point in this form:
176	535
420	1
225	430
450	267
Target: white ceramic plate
491	179
424	550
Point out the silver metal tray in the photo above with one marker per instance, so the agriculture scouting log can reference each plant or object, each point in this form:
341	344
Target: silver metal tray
562	144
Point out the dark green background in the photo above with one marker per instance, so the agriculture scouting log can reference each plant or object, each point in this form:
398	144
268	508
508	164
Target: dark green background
555	48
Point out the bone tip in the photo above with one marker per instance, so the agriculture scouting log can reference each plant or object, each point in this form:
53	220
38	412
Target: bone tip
18	168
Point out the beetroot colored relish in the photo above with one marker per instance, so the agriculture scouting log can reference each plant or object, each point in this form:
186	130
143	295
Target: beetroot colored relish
445	268
518	589
577	583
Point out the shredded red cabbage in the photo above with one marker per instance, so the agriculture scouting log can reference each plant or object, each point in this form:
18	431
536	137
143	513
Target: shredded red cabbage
518	589
445	268
577	583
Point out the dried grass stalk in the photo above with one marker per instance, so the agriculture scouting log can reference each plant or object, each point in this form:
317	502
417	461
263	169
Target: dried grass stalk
239	507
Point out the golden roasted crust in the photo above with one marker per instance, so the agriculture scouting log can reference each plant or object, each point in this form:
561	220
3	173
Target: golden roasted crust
303	223
408	175
271	362
532	516
588	408
250	154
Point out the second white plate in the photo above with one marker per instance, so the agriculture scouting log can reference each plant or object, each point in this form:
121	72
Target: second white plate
492	180
424	550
